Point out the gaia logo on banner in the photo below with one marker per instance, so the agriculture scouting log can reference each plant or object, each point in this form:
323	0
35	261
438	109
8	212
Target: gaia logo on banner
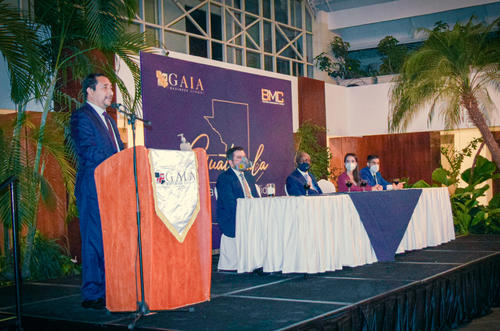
175	187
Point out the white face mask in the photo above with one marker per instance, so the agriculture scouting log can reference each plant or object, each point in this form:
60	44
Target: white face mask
374	169
350	166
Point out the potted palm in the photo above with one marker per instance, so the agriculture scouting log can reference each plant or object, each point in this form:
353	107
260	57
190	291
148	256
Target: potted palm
51	46
454	68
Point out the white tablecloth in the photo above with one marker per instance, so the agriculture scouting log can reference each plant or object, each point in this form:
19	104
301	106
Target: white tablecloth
324	233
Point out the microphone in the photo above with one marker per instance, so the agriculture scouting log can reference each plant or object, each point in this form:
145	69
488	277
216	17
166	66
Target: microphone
124	110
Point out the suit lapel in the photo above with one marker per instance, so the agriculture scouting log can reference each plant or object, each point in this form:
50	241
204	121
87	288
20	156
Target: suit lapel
251	184
236	184
300	177
117	134
99	125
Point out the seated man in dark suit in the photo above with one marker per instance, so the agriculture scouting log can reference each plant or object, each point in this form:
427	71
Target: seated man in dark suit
372	175
232	184
301	181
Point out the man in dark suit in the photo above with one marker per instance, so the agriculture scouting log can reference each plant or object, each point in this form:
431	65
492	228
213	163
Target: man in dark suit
372	175
232	184
95	137
301	181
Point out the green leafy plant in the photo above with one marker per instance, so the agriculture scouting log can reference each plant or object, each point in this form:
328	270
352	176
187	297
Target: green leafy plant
455	159
338	64
307	141
468	214
48	261
393	55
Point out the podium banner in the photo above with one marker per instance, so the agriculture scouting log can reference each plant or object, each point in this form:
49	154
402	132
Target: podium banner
175	187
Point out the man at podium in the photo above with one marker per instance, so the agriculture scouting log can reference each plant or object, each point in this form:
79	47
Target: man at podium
236	182
95	137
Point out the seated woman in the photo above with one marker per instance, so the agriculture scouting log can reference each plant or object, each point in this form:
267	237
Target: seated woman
351	175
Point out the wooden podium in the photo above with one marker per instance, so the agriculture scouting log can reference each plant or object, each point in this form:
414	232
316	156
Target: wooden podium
175	274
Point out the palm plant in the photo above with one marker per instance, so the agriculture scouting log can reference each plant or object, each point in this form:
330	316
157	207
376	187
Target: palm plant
72	38
451	72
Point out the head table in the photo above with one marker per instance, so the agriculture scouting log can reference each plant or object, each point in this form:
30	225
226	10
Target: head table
311	234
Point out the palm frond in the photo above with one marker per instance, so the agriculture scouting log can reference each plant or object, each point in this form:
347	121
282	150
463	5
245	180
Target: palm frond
20	47
449	64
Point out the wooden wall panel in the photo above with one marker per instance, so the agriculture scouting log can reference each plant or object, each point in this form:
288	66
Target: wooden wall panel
413	155
311	96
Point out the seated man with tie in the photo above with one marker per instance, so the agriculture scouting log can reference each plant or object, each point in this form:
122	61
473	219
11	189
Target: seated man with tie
95	137
371	174
232	184
301	181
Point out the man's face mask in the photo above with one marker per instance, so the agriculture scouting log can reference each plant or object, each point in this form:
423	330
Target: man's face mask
374	168
304	166
244	165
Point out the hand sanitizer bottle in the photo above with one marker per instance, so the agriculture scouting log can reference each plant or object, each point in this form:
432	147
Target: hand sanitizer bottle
184	146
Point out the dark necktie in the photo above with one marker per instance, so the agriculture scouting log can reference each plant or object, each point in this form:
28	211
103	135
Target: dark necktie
110	129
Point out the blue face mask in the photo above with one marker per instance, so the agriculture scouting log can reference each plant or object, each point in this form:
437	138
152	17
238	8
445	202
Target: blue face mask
244	165
304	166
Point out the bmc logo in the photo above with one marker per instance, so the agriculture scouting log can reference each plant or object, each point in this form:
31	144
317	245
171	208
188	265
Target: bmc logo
275	98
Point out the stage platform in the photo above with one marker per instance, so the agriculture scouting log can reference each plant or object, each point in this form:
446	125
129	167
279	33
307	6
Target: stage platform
436	288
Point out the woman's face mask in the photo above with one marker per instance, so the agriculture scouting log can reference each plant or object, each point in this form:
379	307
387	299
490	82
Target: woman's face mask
350	166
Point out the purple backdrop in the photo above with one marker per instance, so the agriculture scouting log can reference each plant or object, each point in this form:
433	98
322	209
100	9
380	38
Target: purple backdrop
215	109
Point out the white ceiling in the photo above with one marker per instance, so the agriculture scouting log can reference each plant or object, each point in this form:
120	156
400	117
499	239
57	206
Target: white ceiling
363	23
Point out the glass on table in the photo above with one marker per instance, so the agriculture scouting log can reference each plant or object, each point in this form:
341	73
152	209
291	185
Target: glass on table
261	190
363	184
348	184
270	189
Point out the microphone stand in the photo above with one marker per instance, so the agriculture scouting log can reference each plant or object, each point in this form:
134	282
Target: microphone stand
142	306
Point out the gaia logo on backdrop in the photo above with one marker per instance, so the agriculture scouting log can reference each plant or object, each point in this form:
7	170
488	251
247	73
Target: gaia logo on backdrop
272	97
178	82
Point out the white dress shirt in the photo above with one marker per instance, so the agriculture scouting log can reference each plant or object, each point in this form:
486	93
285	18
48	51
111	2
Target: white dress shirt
308	180
241	179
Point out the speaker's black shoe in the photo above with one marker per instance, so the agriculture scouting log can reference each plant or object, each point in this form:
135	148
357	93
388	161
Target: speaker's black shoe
94	304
